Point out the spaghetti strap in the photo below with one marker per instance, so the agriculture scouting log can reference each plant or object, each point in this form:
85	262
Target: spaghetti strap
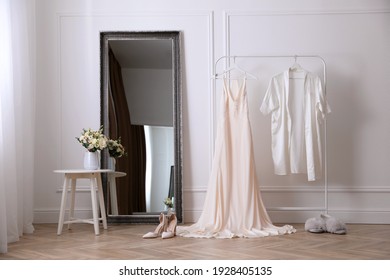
241	89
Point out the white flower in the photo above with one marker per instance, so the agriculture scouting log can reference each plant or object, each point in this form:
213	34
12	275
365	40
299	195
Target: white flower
115	148
93	140
102	143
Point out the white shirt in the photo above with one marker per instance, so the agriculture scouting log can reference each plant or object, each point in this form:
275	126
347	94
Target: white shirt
298	106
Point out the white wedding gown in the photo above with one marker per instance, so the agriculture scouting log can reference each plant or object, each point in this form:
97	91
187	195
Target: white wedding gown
233	206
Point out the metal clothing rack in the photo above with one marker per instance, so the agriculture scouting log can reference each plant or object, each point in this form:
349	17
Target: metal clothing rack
228	58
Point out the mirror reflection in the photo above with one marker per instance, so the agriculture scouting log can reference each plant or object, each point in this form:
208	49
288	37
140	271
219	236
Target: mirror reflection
139	105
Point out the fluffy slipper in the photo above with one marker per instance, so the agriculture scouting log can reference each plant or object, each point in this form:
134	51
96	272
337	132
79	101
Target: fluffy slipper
334	225
315	225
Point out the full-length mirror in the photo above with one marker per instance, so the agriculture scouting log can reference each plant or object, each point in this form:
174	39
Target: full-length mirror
141	106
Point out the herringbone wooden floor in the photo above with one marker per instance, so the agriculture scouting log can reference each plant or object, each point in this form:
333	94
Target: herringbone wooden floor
123	241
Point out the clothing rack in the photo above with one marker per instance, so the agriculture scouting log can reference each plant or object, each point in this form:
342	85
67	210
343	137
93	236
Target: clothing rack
228	58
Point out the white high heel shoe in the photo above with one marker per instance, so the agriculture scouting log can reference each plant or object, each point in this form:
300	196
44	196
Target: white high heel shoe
171	229
159	229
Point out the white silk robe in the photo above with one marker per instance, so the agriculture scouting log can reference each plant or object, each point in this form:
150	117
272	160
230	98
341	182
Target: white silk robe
298	106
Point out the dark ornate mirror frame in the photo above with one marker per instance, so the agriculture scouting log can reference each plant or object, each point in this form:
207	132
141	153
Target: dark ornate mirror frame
105	37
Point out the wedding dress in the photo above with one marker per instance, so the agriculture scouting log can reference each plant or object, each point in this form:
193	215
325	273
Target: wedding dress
233	206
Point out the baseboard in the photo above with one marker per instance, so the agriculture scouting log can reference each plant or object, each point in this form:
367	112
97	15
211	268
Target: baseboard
293	217
367	205
191	216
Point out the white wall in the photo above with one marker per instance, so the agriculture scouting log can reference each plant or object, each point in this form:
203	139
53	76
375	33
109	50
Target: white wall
352	36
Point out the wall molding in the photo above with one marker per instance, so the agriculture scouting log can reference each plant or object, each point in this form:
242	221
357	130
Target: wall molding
207	14
358	215
226	24
303	13
180	22
227	15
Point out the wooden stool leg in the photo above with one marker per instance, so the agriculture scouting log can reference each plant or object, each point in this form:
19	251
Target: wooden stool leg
94	203
101	201
113	195
72	201
63	205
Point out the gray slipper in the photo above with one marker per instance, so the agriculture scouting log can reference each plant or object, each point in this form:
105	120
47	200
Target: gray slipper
334	225
315	225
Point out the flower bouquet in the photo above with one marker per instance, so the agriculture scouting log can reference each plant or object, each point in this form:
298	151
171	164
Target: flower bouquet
168	202
115	148
93	141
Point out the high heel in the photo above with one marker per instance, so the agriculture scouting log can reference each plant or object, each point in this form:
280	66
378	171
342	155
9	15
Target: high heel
171	229
159	229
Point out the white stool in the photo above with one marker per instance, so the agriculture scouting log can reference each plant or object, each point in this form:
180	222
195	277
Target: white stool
70	179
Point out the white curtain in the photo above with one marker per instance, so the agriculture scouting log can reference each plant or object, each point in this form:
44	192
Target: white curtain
17	121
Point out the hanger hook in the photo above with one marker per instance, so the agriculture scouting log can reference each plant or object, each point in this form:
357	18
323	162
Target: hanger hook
295	58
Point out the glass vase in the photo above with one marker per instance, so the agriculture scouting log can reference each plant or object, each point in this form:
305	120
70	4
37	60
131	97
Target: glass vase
111	163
